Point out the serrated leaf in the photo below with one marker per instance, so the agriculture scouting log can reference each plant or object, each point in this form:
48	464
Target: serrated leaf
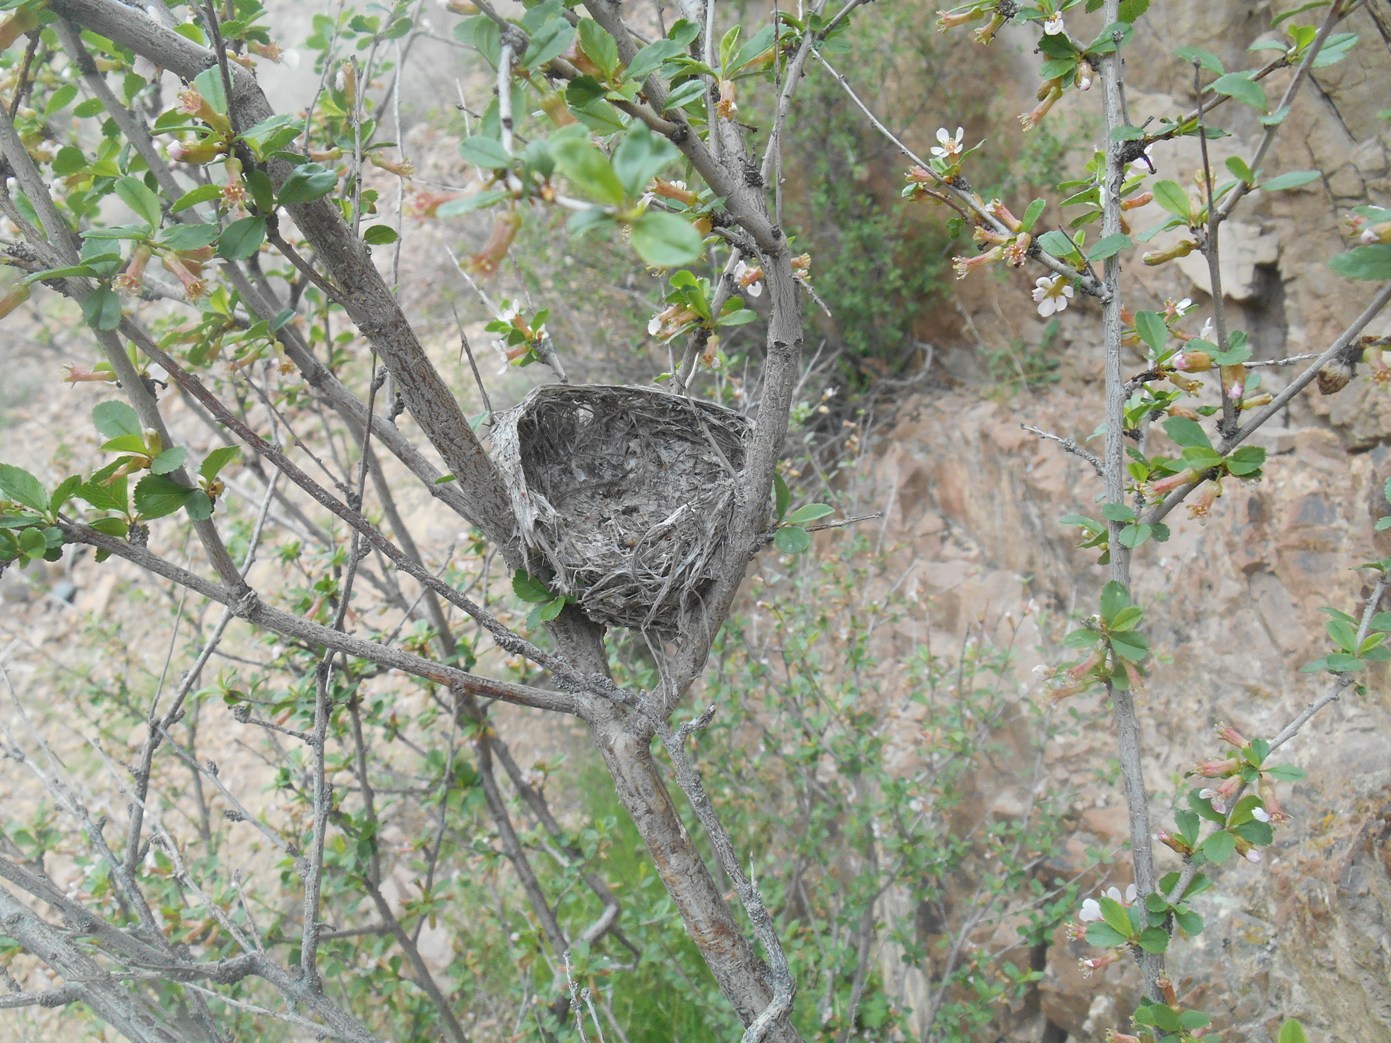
19	486
169	460
1241	87
792	539
1031	215
640	157
308	181
588	169
1152	329
666	240
140	199
809	513
549	41
1171	196
599	45
215	461
1108	246
1185	432
114	419
209	84
1240	170
157	496
188	237
551	609
1218	847
1104	936
1364	262
650	58
1205	59
1284	772
198	505
528	588
242	238
782	496
1056	244
380	235
1131	647
1114	597
102	309
486	152
1153	939
1293	179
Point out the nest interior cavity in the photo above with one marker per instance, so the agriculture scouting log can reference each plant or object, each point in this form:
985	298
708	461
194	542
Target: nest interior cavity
624	493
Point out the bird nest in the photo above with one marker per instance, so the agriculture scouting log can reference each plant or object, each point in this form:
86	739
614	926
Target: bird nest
623	494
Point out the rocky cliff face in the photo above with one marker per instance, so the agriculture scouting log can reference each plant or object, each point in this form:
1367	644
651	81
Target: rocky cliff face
1232	601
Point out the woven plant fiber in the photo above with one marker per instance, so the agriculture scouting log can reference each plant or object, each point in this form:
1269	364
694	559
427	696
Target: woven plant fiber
623	495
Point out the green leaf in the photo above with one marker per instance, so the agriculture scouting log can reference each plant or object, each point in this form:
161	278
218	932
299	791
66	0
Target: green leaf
548	41
1150	325
792	539
308	181
188	237
650	58
589	169
215	461
1153	939
640	156
102	309
380	235
258	183
1129	646
198	505
1218	847
1126	619
1284	772
67	488
1104	936
126	444
1108	246
737	317
1196	458
209	85
528	588
114	419
19	486
485	152
1364	262
1243	88
1056	244
140	199
1114	597
1185	432
1242	172
1293	179
1247	460
599	45
1206	59
782	496
1171	196
1344	634
157	496
1031	215
169	460
1117	512
809	513
684	93
1291	1031
242	238
551	609
665	240
1189	921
